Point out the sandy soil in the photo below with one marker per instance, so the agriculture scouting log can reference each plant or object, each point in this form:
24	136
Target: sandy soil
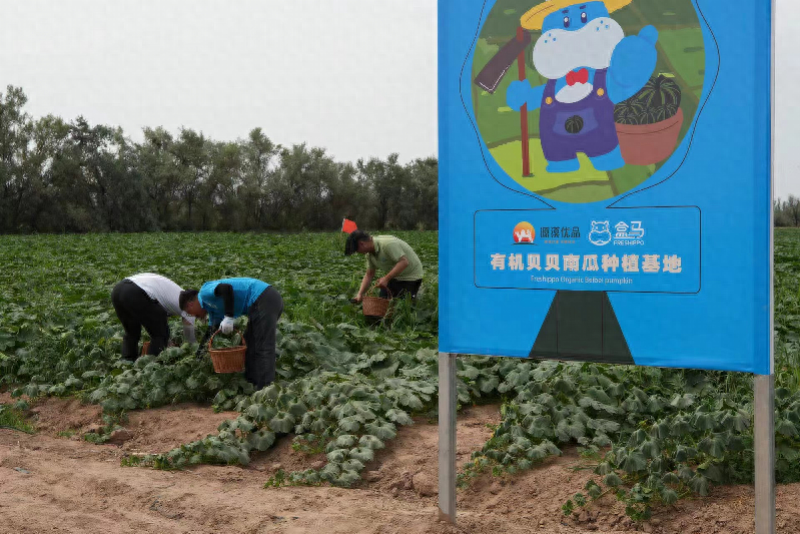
51	483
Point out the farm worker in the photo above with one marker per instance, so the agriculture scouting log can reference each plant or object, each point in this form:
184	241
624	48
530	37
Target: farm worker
148	300
392	255
222	301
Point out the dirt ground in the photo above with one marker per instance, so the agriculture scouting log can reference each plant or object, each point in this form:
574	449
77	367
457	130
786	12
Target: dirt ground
53	482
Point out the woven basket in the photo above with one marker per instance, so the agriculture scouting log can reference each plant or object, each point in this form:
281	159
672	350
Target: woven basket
145	347
376	306
227	360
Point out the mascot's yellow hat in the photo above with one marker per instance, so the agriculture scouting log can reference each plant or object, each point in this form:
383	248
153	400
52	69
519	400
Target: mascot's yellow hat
533	19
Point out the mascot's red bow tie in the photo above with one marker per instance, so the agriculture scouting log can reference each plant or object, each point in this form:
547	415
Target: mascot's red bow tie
582	76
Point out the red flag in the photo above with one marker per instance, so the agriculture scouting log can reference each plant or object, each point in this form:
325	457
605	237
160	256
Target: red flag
348	226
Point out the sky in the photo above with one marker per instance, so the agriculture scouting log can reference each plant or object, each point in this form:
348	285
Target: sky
357	77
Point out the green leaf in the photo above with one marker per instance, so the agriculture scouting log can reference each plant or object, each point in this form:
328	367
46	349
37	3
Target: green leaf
634	462
612	480
400	417
704	421
603	425
669	496
685	473
603	468
670	478
282	422
738	421
683	401
352	465
699	485
244	425
260	413
362	454
649	449
261	440
298	409
338	456
712	472
637	438
681	427
345	441
370	442
350	424
786	428
713	446
683	454
384	431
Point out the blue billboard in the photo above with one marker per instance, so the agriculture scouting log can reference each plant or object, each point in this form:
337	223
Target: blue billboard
605	181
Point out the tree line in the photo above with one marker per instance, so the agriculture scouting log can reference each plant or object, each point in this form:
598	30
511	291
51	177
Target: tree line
58	176
787	212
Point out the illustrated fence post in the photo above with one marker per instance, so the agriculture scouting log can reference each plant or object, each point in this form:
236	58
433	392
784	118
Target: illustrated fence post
448	398
523	112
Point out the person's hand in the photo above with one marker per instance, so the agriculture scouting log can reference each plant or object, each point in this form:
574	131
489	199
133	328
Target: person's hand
226	326
383	282
358	299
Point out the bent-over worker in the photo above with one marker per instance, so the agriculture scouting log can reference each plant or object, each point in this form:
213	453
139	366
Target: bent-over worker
222	301
391	255
148	300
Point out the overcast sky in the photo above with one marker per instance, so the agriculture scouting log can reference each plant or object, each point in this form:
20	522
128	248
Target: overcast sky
355	76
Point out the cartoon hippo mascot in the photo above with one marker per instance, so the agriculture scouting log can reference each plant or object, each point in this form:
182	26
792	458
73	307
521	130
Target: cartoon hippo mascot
590	66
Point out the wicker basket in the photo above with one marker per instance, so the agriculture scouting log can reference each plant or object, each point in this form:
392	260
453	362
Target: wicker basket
145	347
376	306
227	360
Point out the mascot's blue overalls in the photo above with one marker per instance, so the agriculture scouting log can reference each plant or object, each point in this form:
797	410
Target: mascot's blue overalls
591	66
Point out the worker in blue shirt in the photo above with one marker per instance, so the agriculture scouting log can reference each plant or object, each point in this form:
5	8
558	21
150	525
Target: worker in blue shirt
222	301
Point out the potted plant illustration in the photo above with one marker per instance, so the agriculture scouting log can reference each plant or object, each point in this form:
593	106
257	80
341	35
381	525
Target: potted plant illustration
648	123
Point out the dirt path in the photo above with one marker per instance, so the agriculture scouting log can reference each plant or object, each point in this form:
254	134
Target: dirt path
51	484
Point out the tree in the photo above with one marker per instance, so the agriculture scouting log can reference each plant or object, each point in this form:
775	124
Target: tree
58	176
792	208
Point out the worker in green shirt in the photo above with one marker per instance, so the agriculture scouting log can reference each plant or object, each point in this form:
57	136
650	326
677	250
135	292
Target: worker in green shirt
392	256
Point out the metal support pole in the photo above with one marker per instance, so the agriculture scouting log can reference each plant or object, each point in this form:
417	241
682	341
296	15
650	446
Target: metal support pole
765	453
764	399
448	397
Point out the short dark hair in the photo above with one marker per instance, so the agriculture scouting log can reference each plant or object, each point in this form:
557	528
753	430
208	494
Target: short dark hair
351	246
186	297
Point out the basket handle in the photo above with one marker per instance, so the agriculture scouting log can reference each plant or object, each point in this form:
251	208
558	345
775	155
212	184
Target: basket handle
389	291
210	341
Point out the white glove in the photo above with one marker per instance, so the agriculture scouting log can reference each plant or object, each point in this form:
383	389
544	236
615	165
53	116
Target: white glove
226	326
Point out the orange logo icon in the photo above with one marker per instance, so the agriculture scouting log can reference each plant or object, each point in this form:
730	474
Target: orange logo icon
524	233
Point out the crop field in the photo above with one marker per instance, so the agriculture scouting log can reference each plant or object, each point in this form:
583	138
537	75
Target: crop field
345	439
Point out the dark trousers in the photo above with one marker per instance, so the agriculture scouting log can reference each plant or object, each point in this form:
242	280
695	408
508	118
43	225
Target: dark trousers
399	289
263	315
135	310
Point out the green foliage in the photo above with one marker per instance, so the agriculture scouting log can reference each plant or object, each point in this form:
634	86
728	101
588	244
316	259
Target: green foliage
651	436
339	380
62	177
14	419
221	341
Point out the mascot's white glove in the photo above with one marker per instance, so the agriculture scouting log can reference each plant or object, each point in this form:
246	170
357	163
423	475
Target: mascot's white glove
226	326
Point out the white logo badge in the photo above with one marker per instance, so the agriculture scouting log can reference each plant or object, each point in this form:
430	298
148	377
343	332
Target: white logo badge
600	234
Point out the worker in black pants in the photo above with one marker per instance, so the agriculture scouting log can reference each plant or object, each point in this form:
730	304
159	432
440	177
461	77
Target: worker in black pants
148	300
222	301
